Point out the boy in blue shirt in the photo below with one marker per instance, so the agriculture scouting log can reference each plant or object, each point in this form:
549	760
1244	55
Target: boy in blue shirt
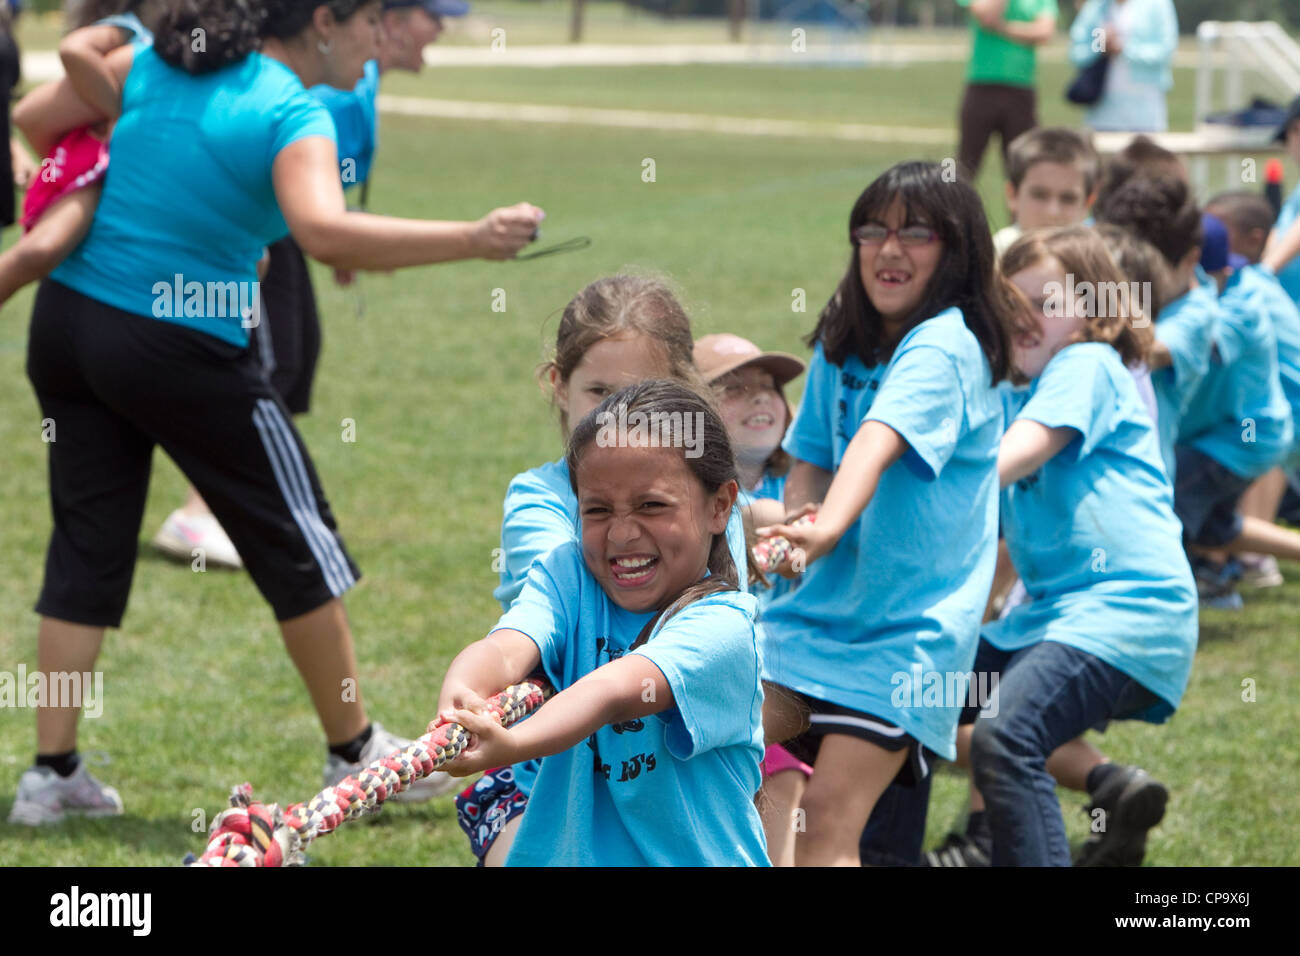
1248	217
1236	428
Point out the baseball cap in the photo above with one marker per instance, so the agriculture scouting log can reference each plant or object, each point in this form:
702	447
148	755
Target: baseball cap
716	355
435	8
1214	248
1292	114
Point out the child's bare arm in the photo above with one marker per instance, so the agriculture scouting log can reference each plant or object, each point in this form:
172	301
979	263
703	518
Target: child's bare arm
873	449
1159	357
48	112
1282	247
1029	445
84	54
487	667
764	511
807	484
625	689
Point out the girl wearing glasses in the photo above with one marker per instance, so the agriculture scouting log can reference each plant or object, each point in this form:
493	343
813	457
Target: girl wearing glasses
895	443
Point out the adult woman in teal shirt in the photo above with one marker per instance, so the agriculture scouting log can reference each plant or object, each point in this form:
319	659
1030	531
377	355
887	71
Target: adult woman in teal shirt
140	339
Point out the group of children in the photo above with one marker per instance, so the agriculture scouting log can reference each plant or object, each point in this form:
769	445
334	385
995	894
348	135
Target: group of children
1027	458
1019	464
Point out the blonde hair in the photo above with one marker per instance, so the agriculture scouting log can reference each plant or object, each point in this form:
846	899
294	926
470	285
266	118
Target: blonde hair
621	305
1082	254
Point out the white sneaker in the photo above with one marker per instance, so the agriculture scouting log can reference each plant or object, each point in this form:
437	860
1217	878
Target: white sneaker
381	744
1261	573
181	533
44	797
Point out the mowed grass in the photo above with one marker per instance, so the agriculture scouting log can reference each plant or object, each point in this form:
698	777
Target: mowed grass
199	694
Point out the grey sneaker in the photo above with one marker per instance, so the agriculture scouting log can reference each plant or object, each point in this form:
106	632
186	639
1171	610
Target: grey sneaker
44	797
381	744
1261	572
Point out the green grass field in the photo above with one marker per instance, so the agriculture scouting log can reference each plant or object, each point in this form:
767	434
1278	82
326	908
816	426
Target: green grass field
199	694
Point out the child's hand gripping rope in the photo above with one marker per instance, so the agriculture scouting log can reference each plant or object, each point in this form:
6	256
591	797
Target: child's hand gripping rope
776	553
255	834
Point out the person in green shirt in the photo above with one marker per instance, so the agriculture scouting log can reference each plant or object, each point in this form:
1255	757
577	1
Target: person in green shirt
1000	81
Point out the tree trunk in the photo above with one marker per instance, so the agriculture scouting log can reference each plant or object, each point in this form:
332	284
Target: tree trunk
575	23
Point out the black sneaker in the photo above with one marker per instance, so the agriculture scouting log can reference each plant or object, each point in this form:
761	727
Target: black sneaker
958	850
1131	802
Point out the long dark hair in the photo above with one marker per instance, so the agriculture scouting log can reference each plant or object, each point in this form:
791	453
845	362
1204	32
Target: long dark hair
966	276
231	29
714	467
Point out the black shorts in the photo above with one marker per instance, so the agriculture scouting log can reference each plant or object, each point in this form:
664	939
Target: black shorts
827	718
287	340
1206	498
113	385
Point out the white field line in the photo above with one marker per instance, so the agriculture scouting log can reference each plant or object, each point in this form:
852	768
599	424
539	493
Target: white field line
42	65
672	122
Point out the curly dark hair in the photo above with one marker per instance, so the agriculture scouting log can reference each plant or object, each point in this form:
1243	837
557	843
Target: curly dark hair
201	36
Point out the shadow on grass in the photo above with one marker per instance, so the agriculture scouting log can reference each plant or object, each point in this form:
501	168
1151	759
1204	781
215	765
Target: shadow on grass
168	841
164	838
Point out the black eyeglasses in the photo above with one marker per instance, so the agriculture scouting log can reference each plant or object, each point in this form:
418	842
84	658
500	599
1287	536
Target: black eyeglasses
874	234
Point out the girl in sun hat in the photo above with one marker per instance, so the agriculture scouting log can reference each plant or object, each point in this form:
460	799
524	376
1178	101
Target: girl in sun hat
750	385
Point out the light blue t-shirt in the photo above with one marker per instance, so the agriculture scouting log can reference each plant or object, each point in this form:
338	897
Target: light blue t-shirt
1186	327
1269	296
541	513
906	585
1290	274
355	120
1094	535
140	34
673	789
770	486
1239	415
188	204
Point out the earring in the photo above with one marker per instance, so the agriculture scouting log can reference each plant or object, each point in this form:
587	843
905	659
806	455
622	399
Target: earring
325	48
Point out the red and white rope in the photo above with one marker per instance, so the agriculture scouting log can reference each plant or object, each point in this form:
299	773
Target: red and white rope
251	833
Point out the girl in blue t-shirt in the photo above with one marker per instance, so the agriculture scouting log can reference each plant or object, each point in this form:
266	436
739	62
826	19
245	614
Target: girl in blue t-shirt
1111	624
653	742
617	331
899	422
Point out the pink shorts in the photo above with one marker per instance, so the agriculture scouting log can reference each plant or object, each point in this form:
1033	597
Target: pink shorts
776	758
78	160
